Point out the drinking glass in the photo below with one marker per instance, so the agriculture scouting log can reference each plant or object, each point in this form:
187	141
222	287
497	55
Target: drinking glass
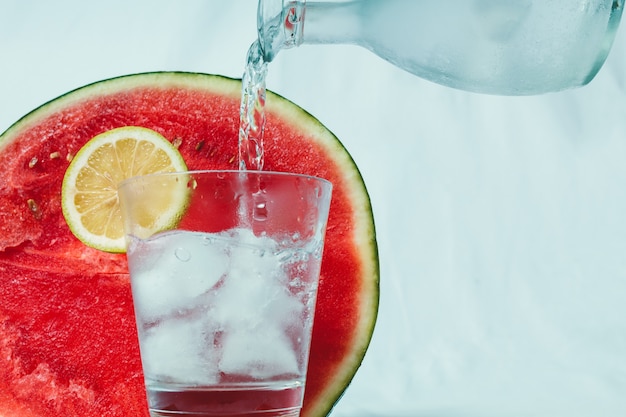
224	288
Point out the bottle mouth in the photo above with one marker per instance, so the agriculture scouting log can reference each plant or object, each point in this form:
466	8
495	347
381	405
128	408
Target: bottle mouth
279	25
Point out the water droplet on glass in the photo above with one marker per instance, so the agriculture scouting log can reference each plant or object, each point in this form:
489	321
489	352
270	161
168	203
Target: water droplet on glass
182	254
260	211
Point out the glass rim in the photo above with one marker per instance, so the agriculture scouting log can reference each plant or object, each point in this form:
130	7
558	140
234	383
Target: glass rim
228	172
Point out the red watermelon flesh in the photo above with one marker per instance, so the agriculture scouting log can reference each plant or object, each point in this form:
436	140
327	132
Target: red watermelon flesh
67	332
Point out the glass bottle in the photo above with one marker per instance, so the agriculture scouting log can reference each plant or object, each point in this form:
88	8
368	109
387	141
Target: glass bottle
507	47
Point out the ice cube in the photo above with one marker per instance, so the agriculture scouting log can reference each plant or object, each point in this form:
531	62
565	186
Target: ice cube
170	272
254	289
180	350
263	352
257	311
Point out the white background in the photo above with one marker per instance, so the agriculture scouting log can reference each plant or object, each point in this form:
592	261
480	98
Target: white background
500	220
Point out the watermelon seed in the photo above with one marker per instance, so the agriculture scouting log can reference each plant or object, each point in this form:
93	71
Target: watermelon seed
32	162
34	208
69	157
55	155
199	145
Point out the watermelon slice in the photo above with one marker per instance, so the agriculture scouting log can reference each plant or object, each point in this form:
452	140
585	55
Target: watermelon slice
67	332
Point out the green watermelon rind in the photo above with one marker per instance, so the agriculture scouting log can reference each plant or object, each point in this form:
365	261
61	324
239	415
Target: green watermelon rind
364	229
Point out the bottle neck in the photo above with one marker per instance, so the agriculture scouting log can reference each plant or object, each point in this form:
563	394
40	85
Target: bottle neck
281	24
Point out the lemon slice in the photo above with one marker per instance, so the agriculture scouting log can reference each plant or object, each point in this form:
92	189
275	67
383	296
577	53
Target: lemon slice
89	192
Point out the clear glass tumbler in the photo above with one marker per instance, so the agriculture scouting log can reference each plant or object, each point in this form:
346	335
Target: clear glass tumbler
224	269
